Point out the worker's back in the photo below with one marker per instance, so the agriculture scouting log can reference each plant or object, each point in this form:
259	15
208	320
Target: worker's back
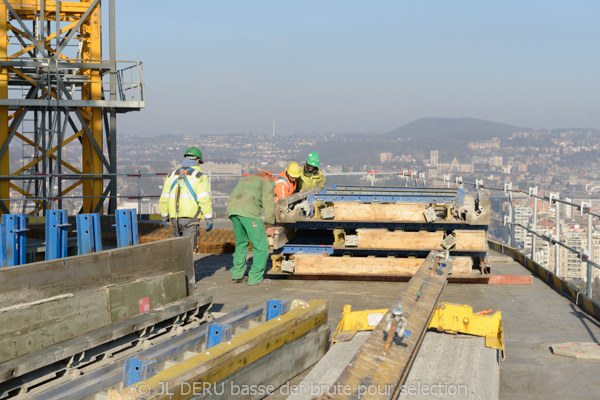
251	195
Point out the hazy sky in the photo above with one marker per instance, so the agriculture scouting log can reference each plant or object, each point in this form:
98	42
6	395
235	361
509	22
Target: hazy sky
215	67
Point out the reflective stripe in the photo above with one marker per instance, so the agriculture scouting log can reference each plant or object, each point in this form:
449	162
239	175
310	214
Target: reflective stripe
208	216
203	194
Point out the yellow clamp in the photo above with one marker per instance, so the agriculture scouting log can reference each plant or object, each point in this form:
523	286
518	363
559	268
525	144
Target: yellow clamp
458	318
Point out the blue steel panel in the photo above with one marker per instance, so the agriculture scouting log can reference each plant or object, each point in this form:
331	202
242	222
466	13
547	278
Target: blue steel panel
293	249
217	334
127	229
88	233
138	369
15	238
384	198
389	225
3	260
275	308
56	234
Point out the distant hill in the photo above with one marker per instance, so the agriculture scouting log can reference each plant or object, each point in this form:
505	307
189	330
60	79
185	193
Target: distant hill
452	128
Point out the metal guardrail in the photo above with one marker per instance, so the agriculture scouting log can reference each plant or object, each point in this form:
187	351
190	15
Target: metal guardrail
416	178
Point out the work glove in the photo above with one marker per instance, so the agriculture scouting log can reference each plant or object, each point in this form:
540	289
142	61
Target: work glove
209	225
165	221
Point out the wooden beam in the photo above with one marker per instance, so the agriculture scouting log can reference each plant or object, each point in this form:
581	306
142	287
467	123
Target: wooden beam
398	240
381	365
347	211
314	264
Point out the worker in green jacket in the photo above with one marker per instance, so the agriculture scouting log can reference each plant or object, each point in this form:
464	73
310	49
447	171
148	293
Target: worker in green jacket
252	195
311	174
185	197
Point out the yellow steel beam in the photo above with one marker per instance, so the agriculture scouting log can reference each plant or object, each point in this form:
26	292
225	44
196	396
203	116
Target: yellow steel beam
47	39
24	193
4	161
52	150
31	143
458	318
91	160
226	358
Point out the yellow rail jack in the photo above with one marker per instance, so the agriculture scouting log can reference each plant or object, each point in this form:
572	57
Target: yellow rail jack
447	317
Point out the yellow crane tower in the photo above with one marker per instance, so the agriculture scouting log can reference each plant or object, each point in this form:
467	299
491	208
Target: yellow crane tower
58	104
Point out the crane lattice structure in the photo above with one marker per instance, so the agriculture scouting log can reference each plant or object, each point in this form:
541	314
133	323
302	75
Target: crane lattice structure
58	105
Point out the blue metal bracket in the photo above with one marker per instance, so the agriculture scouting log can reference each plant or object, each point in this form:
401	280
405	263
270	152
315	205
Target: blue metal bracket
56	234
275	308
88	233
15	238
138	369
217	334
127	228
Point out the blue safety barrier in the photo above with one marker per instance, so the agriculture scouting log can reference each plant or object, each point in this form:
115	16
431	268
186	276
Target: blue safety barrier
3	260
218	333
275	308
15	238
138	369
88	233
56	234
127	228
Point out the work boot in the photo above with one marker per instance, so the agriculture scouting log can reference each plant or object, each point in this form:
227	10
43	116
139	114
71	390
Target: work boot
263	282
240	280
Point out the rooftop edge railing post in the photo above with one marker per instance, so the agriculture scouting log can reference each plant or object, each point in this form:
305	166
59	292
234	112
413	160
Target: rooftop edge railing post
535	212
553	198
590	275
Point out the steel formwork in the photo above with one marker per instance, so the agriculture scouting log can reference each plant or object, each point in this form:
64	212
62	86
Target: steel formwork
58	104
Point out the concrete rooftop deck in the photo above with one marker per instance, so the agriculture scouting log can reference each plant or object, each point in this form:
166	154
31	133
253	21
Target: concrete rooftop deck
534	318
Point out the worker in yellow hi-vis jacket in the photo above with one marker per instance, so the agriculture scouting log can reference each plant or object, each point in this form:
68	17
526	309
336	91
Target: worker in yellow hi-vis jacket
186	198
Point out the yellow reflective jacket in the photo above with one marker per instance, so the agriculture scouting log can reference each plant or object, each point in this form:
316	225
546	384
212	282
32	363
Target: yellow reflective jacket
310	181
189	207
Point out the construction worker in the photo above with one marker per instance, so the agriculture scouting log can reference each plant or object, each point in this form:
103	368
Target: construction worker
252	195
185	197
311	174
285	182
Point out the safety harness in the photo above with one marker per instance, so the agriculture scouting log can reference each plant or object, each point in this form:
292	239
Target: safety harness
178	183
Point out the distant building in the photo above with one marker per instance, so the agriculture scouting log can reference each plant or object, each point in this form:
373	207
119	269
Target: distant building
385	157
222	167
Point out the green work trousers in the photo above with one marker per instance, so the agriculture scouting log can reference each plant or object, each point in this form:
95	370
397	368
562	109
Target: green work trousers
249	230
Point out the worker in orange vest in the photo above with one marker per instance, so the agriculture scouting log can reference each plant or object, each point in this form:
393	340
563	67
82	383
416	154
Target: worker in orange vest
285	182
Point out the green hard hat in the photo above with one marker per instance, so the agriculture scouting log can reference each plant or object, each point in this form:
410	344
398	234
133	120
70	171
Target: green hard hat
313	159
194	152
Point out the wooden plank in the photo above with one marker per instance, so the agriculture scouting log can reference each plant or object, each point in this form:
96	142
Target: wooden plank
281	236
399	240
467	240
132	299
400	212
380	366
312	264
36	281
30	327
